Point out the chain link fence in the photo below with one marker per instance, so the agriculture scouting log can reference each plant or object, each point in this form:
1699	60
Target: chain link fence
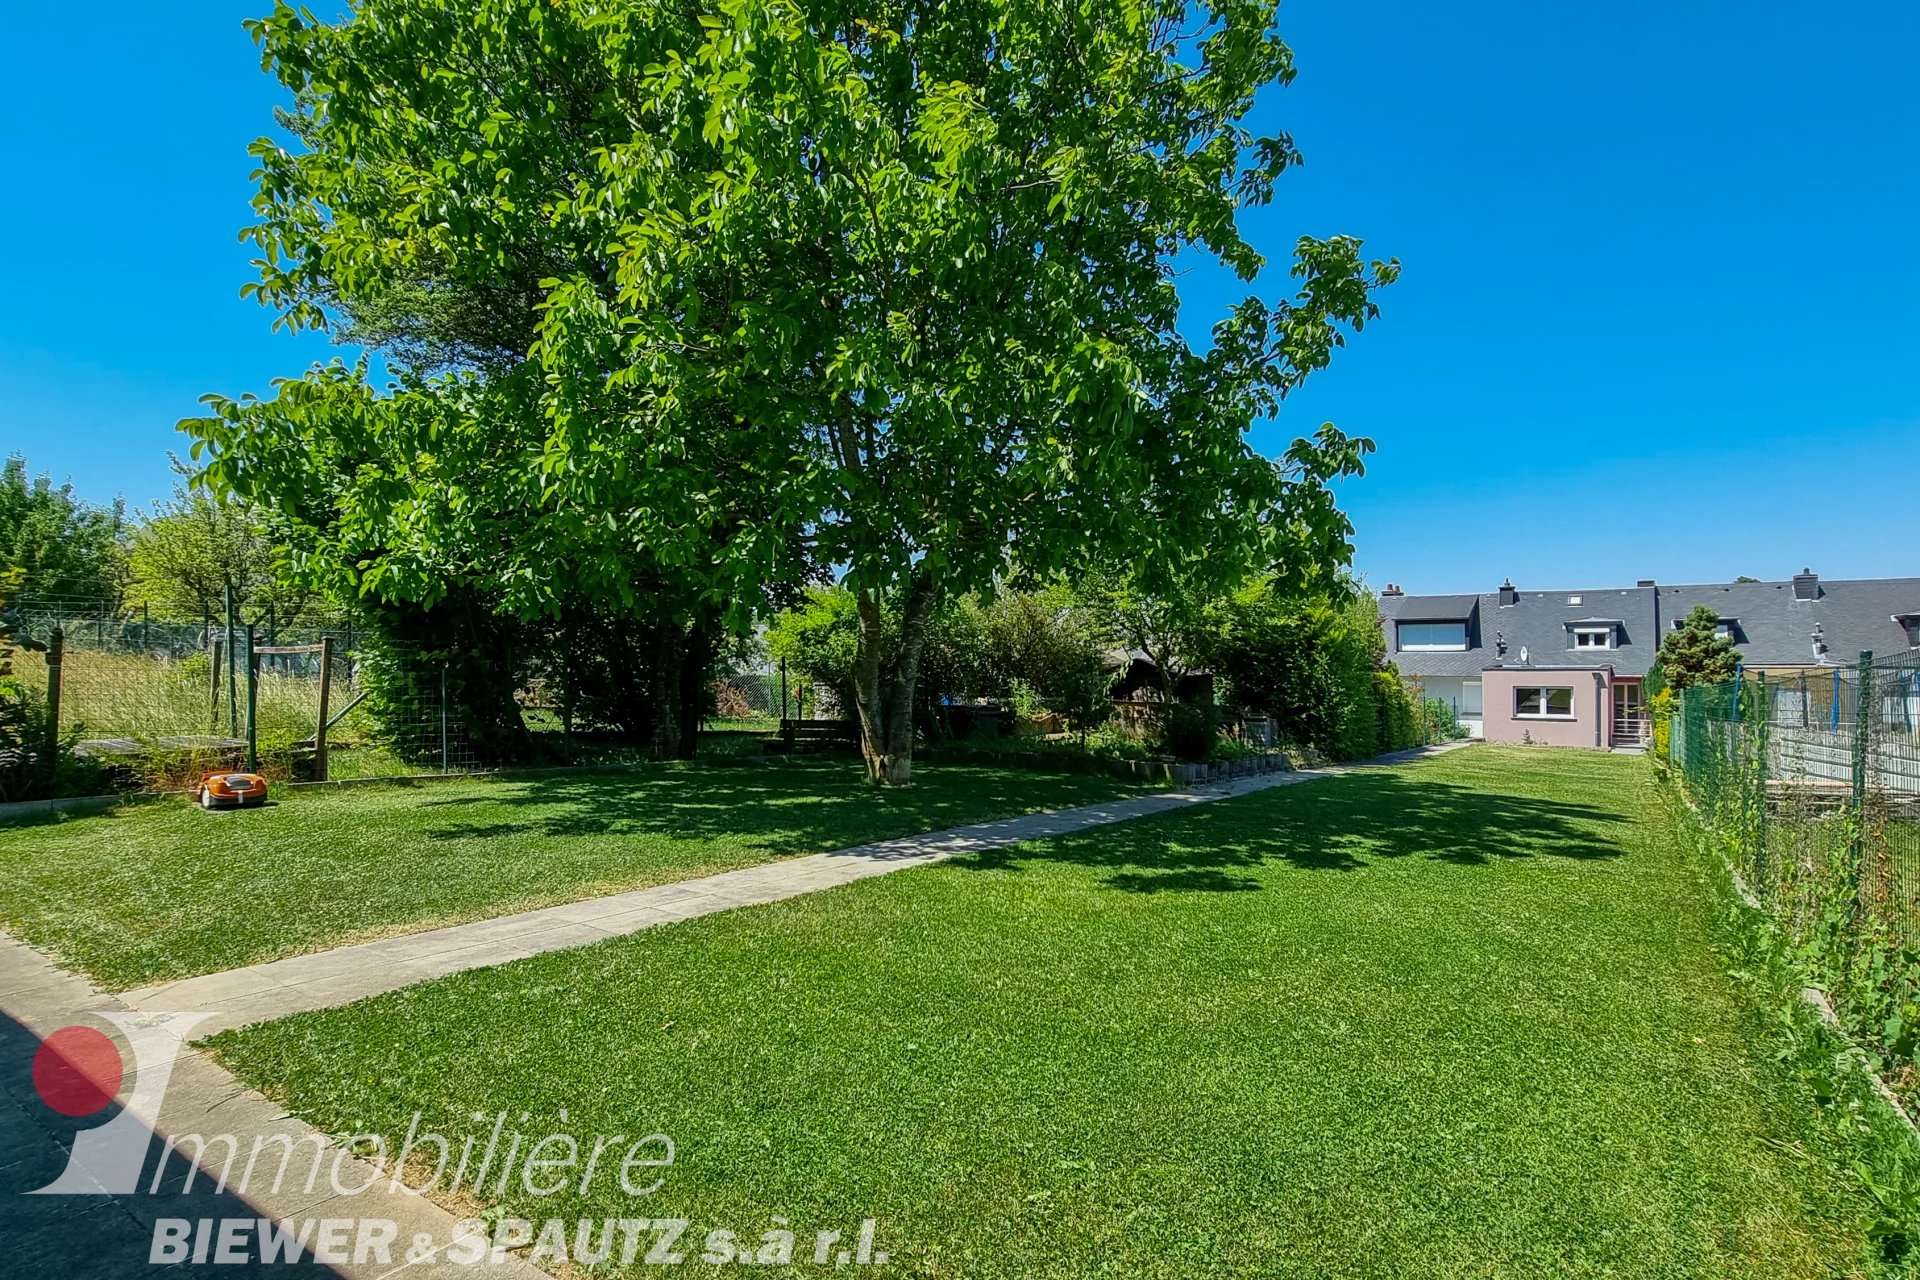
1810	782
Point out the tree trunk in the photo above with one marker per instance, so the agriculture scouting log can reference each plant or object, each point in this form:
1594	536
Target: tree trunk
669	660
702	647
884	683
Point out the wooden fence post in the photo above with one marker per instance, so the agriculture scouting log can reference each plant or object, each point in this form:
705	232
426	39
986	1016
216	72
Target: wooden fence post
56	658
320	734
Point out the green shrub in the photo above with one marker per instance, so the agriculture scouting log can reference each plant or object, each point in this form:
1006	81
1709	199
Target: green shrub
1190	730
1232	749
818	641
1443	724
1113	741
1397	717
1660	711
1308	661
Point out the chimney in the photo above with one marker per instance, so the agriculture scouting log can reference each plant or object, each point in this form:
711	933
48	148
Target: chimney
1806	585
1507	594
1644	582
1393	589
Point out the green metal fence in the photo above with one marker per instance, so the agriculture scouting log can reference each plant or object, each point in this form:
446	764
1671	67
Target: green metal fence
1810	782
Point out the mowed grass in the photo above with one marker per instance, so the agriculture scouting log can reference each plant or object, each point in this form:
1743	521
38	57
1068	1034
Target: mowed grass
161	890
1461	1018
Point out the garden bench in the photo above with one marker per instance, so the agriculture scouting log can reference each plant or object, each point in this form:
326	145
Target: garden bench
819	734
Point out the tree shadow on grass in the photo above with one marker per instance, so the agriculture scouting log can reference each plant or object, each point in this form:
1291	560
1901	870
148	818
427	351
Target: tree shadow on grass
1341	825
793	805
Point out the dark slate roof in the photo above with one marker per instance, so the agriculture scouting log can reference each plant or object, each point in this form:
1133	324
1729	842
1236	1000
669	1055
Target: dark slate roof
1541	622
1771	627
1439	608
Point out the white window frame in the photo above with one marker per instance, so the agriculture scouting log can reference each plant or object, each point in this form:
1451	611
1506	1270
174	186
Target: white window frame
1571	713
1400	629
1605	634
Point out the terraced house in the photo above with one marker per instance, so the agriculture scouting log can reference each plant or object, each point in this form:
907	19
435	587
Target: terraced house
1568	668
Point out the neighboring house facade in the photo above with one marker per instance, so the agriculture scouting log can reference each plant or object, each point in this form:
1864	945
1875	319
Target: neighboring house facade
1568	668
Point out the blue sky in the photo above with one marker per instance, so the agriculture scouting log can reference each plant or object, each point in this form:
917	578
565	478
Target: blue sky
1658	316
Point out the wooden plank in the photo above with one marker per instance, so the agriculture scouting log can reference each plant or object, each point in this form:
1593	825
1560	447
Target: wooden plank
288	648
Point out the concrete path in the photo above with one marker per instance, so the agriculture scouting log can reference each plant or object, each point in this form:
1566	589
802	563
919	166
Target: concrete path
323	979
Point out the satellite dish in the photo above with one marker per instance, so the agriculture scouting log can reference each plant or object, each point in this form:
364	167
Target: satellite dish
1523	653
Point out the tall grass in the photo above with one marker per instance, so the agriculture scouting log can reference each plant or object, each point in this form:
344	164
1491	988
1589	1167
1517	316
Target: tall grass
166	708
123	695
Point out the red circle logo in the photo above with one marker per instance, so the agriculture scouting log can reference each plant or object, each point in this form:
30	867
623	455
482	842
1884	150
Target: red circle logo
77	1071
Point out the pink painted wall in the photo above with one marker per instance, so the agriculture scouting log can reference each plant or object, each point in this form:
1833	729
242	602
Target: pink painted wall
1591	725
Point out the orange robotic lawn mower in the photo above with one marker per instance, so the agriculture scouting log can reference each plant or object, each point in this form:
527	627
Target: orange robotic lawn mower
232	791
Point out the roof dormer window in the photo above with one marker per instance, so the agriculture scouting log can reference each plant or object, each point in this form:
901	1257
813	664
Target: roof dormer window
1593	637
1415	636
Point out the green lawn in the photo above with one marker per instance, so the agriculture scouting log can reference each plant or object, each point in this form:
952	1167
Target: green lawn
162	890
1458	1018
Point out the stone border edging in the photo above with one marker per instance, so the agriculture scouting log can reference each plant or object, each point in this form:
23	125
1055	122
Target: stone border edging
64	804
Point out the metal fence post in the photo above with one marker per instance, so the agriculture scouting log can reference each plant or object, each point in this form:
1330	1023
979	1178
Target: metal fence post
1761	770
253	705
786	726
215	650
1862	747
56	659
233	709
445	764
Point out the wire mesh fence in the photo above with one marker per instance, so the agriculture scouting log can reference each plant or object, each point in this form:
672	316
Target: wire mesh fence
1811	783
760	700
156	718
156	704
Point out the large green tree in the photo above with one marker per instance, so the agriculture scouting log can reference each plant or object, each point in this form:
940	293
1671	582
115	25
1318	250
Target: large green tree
65	547
192	552
890	281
